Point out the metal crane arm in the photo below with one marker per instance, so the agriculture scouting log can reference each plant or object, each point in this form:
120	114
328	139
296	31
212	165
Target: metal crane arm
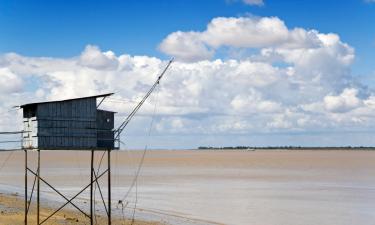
119	130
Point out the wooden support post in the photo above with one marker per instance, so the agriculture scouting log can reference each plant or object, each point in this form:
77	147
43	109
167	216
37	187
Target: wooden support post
25	187
109	186
91	188
38	190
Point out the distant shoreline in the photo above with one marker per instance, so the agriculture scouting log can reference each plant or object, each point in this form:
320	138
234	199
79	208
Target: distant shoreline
246	148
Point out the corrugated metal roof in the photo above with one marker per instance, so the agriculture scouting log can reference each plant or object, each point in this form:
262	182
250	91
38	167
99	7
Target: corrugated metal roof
64	100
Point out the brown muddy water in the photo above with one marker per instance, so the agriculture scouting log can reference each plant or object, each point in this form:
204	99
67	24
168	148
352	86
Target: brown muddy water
226	187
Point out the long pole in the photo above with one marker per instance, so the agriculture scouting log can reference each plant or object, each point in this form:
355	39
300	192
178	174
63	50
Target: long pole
38	190
109	186
91	188
135	110
25	187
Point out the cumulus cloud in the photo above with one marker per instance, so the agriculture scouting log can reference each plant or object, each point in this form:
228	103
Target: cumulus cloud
253	2
94	58
10	82
298	80
344	102
253	103
245	32
187	46
249	2
221	31
201	97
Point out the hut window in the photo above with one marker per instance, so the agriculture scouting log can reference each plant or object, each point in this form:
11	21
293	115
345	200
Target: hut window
108	120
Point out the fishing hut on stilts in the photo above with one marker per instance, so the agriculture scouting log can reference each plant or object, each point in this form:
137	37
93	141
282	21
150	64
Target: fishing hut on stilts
78	125
71	124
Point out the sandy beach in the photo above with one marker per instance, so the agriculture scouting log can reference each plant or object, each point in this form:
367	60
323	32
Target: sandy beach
12	213
267	187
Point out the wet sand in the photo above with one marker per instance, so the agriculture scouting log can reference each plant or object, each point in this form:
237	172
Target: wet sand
12	213
265	187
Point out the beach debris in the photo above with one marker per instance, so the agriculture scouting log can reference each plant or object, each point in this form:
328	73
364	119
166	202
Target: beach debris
72	219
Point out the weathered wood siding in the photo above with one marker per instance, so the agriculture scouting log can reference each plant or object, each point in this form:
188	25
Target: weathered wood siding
67	125
71	124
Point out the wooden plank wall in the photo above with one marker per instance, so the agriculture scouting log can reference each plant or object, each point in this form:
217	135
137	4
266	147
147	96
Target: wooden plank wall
67	125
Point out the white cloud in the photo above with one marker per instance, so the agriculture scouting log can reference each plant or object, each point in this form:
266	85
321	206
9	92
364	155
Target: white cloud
248	32
207	96
186	46
344	102
253	2
94	58
254	103
221	31
245	32
10	82
298	80
248	2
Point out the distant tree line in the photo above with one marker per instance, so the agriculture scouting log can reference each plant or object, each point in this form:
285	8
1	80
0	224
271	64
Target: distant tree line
284	147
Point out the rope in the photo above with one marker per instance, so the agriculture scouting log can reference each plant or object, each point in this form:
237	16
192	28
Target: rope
6	160
116	169
79	166
120	202
11	150
136	201
135	179
11	110
116	100
13	132
97	172
135	110
10	141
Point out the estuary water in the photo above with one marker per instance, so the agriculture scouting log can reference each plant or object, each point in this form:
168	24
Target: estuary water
216	187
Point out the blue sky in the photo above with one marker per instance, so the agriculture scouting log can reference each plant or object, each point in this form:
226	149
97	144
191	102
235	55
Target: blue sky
80	33
63	28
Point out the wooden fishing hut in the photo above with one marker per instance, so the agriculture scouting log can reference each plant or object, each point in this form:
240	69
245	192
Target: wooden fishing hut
70	124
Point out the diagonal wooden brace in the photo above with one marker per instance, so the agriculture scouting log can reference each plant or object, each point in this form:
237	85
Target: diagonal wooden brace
68	200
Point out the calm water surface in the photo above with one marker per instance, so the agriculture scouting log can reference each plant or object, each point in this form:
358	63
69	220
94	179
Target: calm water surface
271	188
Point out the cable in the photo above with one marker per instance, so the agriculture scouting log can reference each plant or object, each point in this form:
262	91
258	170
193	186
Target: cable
149	133
11	150
120	202
135	180
136	175
10	141
116	169
6	160
135	110
97	172
11	110
121	100
136	201
79	166
13	132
